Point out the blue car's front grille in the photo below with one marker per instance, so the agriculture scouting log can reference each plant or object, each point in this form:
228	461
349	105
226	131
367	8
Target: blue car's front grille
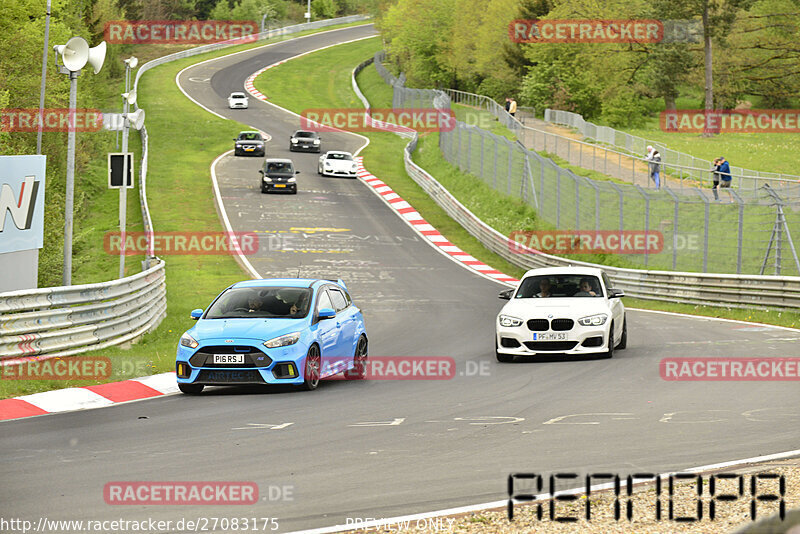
229	376
253	357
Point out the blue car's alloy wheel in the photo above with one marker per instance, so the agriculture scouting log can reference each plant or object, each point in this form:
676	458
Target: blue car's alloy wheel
359	370
311	373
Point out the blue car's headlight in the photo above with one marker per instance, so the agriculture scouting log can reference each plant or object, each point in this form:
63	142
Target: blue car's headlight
189	341
282	341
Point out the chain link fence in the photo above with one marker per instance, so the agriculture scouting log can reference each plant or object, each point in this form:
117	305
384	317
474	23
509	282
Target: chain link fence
684	166
736	235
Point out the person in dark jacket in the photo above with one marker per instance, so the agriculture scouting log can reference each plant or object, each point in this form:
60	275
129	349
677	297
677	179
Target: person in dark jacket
725	177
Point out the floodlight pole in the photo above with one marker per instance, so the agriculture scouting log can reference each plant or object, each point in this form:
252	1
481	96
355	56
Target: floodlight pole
66	278
44	75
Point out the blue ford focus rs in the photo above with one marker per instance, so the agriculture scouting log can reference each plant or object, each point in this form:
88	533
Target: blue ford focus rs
274	331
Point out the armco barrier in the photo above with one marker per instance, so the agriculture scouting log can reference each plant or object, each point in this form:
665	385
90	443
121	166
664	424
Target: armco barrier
728	290
61	321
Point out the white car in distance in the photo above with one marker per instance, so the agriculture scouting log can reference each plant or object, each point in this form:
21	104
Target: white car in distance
337	163
238	101
561	310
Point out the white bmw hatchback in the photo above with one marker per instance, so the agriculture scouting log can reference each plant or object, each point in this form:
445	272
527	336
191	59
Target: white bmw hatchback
561	310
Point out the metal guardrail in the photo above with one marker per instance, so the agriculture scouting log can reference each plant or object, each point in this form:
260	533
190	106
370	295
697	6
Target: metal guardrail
60	321
729	290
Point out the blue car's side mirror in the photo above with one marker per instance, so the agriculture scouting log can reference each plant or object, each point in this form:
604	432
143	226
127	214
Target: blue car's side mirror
196	314
326	313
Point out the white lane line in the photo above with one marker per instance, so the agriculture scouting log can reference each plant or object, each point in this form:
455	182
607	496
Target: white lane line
221	206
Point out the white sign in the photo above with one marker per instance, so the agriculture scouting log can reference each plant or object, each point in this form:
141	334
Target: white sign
21	203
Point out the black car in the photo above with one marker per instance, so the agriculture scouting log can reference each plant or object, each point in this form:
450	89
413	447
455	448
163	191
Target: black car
249	144
305	140
278	175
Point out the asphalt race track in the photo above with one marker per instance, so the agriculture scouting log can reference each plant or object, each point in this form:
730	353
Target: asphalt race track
382	448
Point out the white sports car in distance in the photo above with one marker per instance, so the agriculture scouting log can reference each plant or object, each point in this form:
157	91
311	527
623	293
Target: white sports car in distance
336	163
561	310
238	100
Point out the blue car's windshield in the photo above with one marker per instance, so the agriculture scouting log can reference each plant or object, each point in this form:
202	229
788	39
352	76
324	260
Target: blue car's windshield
261	302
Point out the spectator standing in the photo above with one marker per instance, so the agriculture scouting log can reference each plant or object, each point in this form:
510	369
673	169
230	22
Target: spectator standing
654	159
508	104
512	108
715	177
725	178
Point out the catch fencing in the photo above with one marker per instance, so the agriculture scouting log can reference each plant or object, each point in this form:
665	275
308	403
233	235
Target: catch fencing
684	166
733	235
515	174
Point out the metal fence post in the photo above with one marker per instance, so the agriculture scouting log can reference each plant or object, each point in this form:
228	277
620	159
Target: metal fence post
577	202
558	198
674	229
646	222
705	232
739	233
469	149
510	166
483	139
621	203
495	162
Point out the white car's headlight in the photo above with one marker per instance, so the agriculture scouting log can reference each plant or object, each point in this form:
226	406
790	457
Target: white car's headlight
316	141
293	139
327	163
593	320
354	167
292	180
282	341
189	341
508	320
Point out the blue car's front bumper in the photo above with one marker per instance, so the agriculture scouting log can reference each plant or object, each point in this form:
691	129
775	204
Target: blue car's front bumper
283	365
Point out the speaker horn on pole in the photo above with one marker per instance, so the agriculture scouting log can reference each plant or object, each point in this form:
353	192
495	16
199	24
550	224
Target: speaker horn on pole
97	56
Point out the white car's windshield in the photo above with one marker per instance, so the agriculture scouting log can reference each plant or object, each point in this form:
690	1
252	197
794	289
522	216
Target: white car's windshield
343	157
555	286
